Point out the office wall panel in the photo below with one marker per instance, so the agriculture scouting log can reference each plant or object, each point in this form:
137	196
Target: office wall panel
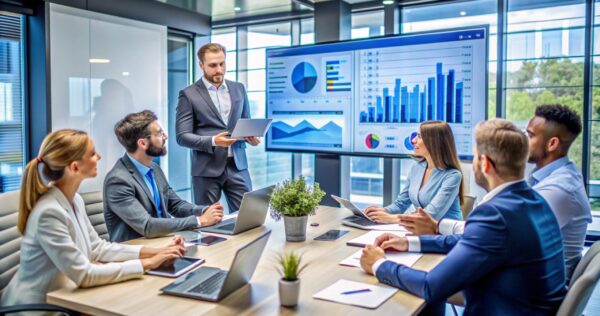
102	68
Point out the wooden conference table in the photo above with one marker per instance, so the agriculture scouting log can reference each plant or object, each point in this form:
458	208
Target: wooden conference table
260	297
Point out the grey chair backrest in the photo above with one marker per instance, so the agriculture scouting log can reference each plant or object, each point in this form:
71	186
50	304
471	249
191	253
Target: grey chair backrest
467	207
581	289
584	262
10	238
94	209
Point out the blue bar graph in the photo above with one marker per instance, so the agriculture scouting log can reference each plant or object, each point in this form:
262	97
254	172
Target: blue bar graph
459	103
440	98
450	97
379	111
430	98
397	101
440	93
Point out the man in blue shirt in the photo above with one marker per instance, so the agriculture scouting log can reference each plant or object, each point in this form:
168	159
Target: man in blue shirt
508	261
551	132
138	201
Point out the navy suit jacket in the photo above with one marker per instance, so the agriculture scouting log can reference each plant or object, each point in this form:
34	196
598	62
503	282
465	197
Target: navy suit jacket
509	261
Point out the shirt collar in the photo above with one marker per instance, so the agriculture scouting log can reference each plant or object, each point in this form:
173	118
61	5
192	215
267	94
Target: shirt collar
543	172
139	166
490	195
210	86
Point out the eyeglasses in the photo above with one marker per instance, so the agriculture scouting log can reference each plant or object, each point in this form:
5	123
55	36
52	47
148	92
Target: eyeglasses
159	134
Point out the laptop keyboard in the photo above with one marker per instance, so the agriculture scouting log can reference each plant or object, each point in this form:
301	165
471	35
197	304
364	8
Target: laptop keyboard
210	285
361	221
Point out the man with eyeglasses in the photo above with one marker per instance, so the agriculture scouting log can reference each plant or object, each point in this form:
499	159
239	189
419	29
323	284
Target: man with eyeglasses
551	131
138	201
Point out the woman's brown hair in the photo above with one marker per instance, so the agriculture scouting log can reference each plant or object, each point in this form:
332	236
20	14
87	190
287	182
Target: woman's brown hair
58	150
439	141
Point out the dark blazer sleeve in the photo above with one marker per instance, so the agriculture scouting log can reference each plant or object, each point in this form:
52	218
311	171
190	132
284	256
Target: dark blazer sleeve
438	243
121	199
482	248
184	127
182	208
246	108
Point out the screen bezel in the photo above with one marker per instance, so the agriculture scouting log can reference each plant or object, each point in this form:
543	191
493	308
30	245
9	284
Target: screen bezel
463	157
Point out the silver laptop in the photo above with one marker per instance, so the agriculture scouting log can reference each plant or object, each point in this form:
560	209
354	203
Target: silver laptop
252	214
359	219
213	284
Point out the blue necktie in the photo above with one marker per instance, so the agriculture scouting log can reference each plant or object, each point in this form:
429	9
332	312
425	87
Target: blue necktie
150	177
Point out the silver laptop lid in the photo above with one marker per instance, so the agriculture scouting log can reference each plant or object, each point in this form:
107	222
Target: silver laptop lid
350	206
253	209
244	264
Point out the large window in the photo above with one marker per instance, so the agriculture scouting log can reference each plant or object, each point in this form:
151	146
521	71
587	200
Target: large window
246	63
11	102
179	71
595	117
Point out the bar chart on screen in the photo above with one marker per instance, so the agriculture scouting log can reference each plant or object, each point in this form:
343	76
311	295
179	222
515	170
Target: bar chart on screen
400	87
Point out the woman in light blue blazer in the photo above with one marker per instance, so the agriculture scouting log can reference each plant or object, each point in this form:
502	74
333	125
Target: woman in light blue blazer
434	184
60	245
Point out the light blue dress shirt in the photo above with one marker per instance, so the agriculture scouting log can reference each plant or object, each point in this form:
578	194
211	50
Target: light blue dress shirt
222	100
561	185
143	170
438	196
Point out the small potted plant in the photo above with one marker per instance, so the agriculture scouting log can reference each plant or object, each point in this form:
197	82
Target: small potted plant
289	284
294	200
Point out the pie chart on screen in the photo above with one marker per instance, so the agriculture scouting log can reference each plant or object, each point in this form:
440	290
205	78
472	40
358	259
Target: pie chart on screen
372	141
304	77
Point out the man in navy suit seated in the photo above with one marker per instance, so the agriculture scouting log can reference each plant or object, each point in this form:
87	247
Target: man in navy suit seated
508	261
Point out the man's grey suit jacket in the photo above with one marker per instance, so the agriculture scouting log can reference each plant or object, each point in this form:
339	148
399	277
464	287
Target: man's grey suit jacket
129	208
198	119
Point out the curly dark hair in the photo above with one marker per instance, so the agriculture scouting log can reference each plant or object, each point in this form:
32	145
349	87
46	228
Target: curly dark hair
561	115
562	122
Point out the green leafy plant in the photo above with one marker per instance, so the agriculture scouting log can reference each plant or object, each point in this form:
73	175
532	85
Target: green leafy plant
295	198
290	266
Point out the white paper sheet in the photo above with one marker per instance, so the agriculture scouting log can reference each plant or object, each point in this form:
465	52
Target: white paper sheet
405	258
369	238
372	299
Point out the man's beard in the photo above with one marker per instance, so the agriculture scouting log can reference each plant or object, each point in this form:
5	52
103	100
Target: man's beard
155	151
535	159
211	79
480	178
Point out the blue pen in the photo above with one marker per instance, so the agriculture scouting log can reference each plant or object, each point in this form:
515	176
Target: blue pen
356	291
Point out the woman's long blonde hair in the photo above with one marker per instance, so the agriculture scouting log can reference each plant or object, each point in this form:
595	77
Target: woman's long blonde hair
439	141
59	149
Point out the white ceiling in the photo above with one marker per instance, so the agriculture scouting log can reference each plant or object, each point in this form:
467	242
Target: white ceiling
225	9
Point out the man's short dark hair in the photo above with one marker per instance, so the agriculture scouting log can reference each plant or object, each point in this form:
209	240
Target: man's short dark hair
133	127
567	123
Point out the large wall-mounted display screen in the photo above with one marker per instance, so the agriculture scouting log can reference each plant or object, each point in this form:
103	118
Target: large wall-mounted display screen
368	97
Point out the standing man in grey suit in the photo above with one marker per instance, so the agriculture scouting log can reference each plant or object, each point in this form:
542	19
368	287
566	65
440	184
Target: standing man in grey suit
206	115
138	201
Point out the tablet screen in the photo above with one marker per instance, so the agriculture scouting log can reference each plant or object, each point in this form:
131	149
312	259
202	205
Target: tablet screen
175	268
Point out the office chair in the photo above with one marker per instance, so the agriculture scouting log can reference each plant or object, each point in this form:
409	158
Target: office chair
10	245
94	209
583	282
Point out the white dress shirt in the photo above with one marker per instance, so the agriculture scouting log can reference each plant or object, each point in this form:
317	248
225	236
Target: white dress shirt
222	100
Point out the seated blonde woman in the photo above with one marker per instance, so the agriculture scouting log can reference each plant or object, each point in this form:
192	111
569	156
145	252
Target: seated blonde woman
59	243
434	184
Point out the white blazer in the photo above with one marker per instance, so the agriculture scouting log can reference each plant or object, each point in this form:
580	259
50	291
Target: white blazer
60	246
